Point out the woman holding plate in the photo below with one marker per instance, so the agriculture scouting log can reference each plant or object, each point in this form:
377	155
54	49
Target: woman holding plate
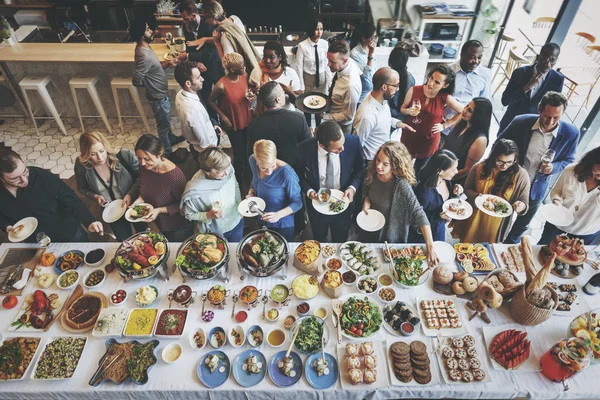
578	189
499	175
104	175
433	190
387	189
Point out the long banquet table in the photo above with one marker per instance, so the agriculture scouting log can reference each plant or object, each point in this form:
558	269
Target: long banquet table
179	380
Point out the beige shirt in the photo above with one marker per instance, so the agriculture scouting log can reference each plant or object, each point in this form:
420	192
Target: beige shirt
344	98
539	143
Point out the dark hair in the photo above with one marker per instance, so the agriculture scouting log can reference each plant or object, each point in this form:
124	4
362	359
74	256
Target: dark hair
398	61
150	144
440	161
188	6
550	46
311	27
504	179
480	120
555	99
277	47
137	29
267	94
583	169
340	46
327	132
8	160
365	30
470	43
183	72
450	77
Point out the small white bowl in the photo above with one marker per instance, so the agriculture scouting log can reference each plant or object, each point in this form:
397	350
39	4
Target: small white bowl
97	263
282	333
387	288
72	271
193	343
85	278
321	310
172	352
272	320
232	338
251	340
382	275
334	258
365	277
114	293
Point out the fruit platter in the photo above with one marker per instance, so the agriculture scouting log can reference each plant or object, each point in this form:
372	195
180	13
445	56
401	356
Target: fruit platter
142	256
587	328
474	258
570	256
203	256
510	348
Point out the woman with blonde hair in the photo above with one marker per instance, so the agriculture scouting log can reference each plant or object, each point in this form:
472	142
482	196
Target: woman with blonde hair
387	189
212	196
228	99
105	175
277	184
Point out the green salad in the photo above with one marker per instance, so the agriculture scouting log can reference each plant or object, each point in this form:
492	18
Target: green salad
407	270
361	317
336	206
309	337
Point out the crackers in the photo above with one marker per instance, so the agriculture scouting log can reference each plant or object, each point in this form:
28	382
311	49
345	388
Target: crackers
411	362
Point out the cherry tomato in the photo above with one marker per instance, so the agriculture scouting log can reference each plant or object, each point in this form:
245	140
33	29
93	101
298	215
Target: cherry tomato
352	329
358	332
361	326
9	301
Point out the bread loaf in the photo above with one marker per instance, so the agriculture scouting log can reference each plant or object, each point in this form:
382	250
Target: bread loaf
530	270
540	279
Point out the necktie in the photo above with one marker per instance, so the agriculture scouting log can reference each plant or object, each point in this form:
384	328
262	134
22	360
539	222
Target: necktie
329	177
335	77
317	83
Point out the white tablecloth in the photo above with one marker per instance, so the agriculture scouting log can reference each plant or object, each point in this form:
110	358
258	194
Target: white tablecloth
179	380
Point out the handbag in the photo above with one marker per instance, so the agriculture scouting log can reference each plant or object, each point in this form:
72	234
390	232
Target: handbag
413	47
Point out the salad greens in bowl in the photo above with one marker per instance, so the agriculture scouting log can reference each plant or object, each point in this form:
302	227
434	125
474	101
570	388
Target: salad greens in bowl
361	317
312	329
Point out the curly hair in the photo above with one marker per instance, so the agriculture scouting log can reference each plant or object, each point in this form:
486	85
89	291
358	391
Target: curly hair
583	169
277	47
400	159
232	59
504	179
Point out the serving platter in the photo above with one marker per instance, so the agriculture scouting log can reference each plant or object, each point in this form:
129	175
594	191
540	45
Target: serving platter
435	373
489	333
382	373
46	344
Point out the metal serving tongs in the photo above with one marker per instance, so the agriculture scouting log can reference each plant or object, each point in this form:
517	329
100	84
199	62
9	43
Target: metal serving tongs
253	207
101	369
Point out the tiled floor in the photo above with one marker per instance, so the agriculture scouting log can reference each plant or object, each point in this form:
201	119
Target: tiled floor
54	151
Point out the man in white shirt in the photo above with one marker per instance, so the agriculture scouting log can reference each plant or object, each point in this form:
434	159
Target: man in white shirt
196	126
373	119
472	79
345	87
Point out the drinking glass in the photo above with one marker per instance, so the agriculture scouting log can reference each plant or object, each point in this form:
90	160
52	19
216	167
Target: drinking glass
251	97
417	104
217	202
43	239
548	156
169	38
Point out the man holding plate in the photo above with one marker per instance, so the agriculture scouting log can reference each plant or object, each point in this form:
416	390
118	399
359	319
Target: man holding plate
331	160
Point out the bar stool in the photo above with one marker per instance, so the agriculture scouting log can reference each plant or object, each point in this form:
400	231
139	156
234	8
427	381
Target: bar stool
89	83
40	85
125	84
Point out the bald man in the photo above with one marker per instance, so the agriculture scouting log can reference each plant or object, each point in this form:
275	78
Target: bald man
373	119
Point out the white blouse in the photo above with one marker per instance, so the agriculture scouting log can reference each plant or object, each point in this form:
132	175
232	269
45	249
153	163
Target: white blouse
584	205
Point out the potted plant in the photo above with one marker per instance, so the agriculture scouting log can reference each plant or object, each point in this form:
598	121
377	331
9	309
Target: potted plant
491	22
7	32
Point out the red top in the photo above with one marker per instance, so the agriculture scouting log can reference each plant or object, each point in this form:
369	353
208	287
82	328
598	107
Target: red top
165	190
423	143
234	104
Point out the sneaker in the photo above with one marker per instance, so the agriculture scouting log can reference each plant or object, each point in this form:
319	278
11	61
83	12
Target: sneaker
177	140
225	143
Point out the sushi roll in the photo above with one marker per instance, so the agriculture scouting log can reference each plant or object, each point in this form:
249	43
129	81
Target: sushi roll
415	321
370	271
388	316
363	270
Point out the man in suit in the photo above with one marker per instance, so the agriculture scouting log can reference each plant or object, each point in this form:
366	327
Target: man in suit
530	83
332	160
534	136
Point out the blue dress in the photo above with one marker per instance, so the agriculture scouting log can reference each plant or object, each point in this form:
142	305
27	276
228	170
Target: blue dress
432	202
279	190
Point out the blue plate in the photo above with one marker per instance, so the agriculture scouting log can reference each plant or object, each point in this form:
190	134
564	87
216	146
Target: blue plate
324	381
215	379
476	272
277	376
251	341
147	305
60	258
245	378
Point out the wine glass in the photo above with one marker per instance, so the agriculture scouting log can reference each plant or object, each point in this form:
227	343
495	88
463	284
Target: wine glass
217	202
251	97
417	104
548	156
43	239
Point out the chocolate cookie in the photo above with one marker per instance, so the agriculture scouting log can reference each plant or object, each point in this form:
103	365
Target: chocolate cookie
400	349
460	353
404	379
455	375
469	341
464	364
458	343
423	380
475	363
472	352
418	348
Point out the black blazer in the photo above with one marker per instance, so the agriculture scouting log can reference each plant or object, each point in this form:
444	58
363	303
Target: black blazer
351	164
207	55
518	101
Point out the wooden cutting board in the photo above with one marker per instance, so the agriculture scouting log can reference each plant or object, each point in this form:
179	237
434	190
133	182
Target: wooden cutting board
14	256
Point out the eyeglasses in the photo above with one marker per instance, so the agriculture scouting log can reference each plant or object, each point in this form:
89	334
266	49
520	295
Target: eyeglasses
504	163
397	85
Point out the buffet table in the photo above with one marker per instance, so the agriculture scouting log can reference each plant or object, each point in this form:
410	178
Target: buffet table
180	380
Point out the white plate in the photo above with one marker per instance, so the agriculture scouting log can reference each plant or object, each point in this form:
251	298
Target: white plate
30	224
435	373
445	252
323	208
32	358
244	208
391	329
376	268
319	102
479	200
122	312
371	222
50	340
482	358
169	57
114	211
375	303
444	331
62	296
129	210
382	375
557	215
465	204
579	306
489	333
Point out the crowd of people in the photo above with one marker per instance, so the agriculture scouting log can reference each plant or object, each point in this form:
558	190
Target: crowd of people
231	95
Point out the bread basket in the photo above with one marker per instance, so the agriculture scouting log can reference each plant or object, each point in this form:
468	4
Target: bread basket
526	313
507	293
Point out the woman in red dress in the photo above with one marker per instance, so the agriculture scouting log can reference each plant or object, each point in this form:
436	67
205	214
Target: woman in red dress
424	109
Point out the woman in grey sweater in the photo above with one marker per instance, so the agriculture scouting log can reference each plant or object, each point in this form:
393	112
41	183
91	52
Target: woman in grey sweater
104	175
387	189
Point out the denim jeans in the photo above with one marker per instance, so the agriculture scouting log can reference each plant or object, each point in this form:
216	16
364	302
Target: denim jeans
552	231
522	222
236	234
80	236
162	114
